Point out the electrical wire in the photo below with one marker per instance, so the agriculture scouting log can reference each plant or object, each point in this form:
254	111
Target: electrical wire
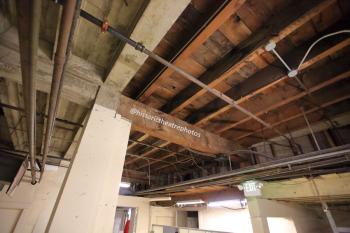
318	40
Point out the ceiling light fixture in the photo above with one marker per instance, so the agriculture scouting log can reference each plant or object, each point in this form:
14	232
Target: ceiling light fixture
124	185
236	203
189	202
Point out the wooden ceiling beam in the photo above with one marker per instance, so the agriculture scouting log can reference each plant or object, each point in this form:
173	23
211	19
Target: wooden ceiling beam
151	151
142	138
161	158
217	106
214	25
339	64
333	72
321	123
298	115
169	128
265	78
283	24
230	9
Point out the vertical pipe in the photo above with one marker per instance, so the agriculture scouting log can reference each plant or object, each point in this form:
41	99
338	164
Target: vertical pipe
325	208
229	162
70	14
310	129
29	14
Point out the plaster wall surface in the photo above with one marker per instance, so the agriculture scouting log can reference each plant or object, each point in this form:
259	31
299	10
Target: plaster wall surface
303	218
222	219
28	209
163	216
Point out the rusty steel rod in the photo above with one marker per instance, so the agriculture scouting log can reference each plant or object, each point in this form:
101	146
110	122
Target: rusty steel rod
67	26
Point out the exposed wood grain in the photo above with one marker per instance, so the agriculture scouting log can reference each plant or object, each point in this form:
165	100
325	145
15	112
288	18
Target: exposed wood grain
207	142
262	80
287	119
228	10
316	80
284	23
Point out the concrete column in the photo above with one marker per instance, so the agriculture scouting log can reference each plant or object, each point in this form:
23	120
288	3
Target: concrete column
258	219
270	216
88	198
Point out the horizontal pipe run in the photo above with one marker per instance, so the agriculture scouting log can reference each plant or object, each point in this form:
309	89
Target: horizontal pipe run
69	17
157	160
296	171
317	155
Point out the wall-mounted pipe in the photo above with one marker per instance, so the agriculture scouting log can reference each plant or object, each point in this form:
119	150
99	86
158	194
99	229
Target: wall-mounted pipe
69	17
28	19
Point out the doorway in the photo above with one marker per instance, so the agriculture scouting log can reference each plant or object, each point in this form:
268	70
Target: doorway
125	220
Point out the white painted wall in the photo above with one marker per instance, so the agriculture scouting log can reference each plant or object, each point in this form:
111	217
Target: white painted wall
163	216
288	215
28	209
222	219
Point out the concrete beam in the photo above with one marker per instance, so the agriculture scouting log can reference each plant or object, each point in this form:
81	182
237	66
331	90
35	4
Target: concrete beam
150	29
331	187
81	80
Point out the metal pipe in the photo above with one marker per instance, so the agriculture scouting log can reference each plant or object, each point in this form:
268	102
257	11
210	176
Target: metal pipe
252	152
140	47
299	159
70	14
264	175
157	147
310	129
153	159
29	12
325	208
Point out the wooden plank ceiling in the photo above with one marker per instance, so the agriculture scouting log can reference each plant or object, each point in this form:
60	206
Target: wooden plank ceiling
228	54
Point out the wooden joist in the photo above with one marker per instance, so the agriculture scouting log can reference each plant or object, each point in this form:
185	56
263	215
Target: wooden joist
338	66
315	80
222	16
288	18
151	151
298	115
169	128
284	23
265	78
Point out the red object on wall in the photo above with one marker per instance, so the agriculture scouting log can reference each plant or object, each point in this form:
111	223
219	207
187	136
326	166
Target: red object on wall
126	228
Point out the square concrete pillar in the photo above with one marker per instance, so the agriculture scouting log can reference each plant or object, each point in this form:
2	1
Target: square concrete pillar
88	197
258	219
